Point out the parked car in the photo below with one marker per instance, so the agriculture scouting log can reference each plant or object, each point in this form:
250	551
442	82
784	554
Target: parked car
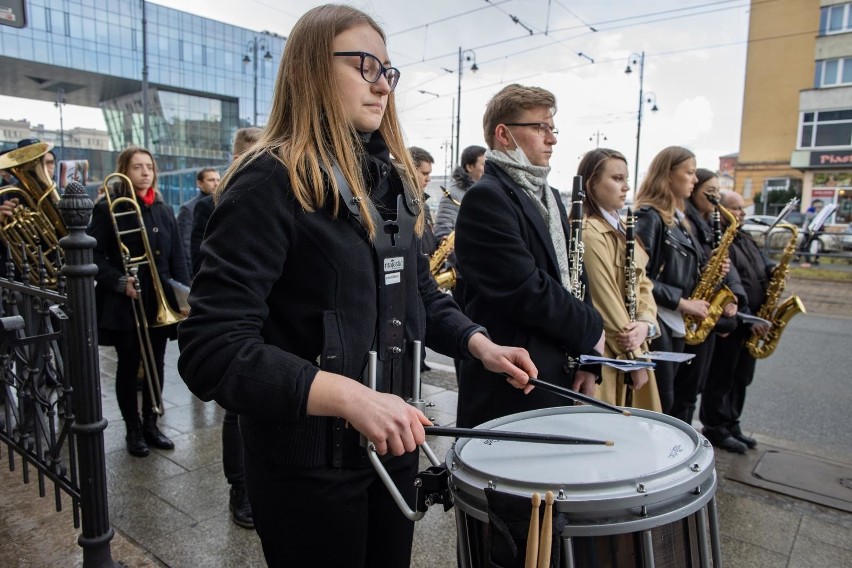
829	241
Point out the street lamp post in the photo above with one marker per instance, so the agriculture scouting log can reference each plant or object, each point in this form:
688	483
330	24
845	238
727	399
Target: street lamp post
252	47
60	102
650	98
466	54
596	137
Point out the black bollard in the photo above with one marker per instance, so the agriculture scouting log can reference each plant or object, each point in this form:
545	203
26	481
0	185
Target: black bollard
84	370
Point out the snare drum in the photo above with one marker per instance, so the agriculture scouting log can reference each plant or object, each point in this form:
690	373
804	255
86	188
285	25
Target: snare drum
645	501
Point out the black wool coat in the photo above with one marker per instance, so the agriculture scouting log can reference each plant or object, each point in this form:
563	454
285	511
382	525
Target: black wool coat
282	293
513	287
115	309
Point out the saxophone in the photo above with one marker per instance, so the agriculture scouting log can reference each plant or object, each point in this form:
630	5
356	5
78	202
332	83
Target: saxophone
710	287
575	246
779	315
446	279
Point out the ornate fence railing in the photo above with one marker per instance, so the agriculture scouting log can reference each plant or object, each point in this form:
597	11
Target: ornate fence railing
51	417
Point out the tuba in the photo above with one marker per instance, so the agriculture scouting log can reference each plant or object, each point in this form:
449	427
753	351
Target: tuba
33	232
710	287
128	207
779	315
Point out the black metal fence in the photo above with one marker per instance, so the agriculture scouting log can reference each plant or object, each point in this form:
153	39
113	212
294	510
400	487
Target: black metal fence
51	418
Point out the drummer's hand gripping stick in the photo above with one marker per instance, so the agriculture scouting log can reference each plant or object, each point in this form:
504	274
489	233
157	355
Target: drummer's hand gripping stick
432	483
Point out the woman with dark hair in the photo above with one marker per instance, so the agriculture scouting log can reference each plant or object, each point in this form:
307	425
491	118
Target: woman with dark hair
674	257
689	379
117	290
605	184
310	261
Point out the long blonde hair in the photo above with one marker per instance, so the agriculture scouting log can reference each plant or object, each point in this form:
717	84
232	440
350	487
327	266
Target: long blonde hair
656	187
308	130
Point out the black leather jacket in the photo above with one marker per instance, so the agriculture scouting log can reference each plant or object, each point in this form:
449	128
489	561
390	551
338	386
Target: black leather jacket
674	261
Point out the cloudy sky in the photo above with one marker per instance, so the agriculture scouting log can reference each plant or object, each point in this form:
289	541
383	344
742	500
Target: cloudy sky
695	54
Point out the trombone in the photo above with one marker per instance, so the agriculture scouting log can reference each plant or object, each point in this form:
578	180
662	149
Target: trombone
124	206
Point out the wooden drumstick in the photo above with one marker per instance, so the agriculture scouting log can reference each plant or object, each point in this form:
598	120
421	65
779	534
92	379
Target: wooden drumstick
532	536
546	532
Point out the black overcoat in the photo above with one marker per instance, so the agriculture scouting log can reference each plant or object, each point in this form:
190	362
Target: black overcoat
513	287
282	293
115	309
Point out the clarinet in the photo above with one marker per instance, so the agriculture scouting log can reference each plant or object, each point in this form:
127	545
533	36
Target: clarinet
717	223
630	266
575	247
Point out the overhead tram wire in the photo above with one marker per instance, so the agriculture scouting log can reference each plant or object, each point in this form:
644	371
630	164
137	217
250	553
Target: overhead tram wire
614	60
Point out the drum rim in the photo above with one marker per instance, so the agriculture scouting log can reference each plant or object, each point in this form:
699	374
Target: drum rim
688	475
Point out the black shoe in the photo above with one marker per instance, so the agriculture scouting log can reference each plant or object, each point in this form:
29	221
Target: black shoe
424	368
747	440
153	435
240	508
730	444
136	445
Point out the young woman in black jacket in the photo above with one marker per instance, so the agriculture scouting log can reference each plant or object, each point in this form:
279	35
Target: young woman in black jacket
310	261
674	257
116	291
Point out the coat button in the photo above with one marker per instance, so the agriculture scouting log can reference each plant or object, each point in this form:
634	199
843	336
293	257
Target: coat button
157	253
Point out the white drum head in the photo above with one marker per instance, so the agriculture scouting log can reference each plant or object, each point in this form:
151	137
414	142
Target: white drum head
652	454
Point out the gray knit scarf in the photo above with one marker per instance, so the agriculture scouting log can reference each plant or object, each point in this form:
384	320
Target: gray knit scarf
533	180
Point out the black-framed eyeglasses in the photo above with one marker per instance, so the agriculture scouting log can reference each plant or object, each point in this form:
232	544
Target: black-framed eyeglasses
371	68
543	128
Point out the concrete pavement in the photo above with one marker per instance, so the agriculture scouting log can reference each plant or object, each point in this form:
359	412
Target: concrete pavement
170	509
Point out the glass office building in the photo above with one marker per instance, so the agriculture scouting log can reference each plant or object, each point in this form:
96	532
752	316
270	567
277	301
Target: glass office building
205	78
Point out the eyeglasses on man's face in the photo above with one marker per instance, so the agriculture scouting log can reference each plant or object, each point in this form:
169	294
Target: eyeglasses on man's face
543	128
371	68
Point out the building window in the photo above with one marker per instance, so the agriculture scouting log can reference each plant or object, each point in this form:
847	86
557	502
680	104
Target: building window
832	72
835	19
826	129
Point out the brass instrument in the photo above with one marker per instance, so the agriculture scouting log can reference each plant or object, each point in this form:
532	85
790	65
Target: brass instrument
446	279
34	230
576	249
779	315
710	287
120	207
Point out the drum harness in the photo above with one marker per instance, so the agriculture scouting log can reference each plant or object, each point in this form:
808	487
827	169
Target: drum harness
393	240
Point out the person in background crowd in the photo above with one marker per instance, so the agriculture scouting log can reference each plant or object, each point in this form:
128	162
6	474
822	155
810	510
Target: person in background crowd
232	443
732	366
464	176
512	250
810	239
116	290
309	262
689	379
207	180
604	173
243	140
423	162
674	256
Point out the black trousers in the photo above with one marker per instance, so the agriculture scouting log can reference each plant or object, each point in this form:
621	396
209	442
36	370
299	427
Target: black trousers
129	355
330	516
665	370
232	449
690	379
731	372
